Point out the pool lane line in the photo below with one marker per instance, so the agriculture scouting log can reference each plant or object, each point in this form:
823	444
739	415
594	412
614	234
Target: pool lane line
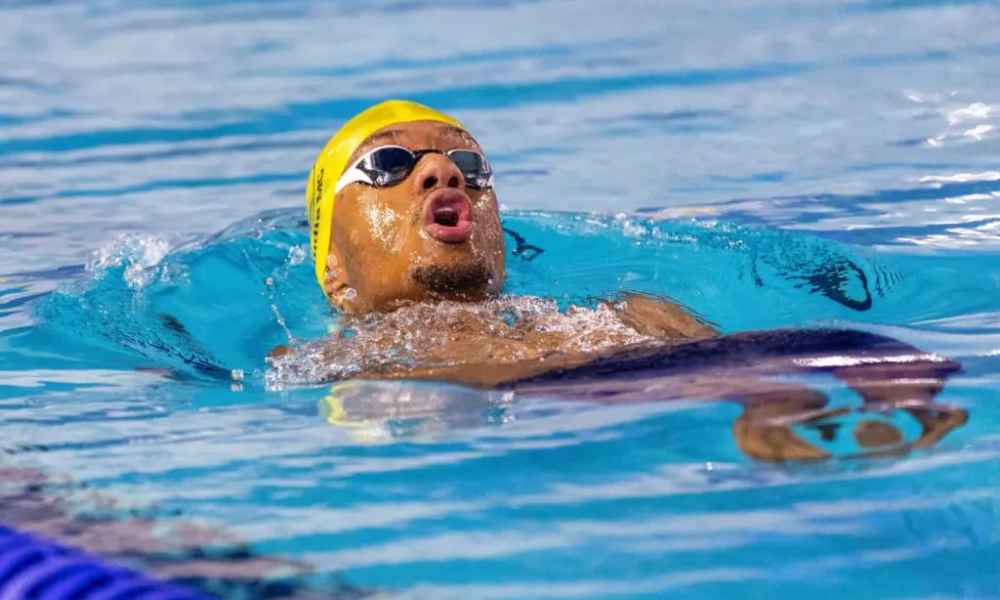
37	568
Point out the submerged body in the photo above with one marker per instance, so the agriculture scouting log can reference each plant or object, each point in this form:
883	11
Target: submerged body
484	343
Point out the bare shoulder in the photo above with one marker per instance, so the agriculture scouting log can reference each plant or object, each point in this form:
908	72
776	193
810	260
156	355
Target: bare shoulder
279	351
661	318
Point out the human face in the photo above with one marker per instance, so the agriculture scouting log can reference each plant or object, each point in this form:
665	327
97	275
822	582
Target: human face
432	234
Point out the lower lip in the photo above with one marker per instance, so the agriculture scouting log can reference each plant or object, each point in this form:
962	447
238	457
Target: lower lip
450	235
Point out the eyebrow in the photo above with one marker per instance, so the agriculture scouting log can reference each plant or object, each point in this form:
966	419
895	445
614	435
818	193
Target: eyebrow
385	134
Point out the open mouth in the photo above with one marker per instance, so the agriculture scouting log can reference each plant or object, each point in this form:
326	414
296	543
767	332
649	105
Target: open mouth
448	216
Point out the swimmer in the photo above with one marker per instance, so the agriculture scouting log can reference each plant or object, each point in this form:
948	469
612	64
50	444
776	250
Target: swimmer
403	212
404	219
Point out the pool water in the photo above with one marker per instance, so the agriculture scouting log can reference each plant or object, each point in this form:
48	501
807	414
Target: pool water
766	163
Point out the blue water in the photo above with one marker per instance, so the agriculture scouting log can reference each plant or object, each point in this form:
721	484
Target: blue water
767	163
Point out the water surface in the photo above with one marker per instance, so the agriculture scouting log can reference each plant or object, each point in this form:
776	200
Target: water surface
768	163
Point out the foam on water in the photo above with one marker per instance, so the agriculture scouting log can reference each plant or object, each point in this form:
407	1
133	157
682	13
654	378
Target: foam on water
505	330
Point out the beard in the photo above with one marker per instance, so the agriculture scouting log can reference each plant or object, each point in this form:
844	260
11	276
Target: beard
457	278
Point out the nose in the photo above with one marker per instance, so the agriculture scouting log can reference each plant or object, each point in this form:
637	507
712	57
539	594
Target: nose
436	171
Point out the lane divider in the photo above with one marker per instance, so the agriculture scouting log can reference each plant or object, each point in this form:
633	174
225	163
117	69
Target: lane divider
33	568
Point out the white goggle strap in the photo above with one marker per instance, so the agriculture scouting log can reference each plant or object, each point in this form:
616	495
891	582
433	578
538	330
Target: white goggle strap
356	175
353	175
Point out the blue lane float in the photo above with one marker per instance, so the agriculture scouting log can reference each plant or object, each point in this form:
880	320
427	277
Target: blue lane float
33	568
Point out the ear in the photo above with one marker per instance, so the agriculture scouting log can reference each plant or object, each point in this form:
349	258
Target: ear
335	284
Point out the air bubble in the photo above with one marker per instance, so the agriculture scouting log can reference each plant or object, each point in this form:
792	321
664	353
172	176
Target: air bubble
296	256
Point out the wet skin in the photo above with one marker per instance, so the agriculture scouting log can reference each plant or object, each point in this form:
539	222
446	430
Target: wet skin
383	249
432	238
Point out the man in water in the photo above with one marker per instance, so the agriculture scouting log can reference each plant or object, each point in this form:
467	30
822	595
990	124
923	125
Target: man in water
403	210
403	213
408	246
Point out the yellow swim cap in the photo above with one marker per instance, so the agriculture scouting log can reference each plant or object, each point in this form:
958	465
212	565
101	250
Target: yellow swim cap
332	163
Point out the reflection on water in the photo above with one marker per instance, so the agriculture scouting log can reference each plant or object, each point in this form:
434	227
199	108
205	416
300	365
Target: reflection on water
387	410
781	419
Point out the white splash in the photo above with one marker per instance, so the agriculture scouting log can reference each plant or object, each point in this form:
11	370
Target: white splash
138	254
507	329
297	255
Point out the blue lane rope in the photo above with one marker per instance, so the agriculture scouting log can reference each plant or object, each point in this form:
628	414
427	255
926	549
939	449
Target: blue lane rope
32	568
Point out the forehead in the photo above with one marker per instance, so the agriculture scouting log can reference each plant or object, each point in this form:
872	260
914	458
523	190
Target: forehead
418	135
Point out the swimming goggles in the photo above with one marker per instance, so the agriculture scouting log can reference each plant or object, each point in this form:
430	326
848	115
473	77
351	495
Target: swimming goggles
389	165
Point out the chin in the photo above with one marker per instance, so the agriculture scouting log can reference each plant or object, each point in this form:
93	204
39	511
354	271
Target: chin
471	278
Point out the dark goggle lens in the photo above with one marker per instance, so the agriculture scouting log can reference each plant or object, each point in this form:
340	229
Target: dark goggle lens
390	165
473	166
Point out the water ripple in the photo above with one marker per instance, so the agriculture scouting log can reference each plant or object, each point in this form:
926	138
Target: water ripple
770	164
